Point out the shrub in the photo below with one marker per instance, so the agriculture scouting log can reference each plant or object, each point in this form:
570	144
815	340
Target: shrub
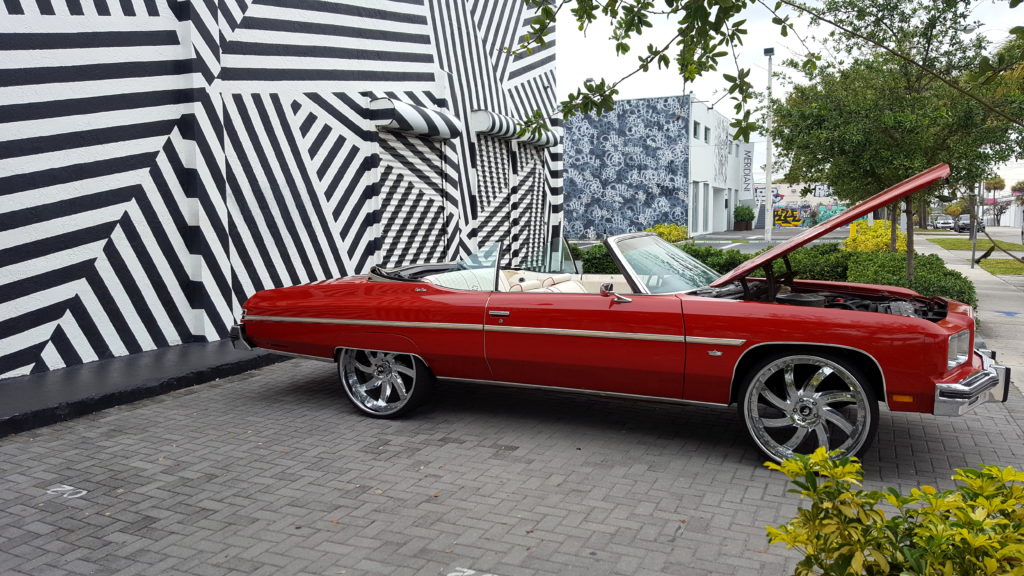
818	262
875	237
718	260
978	528
576	252
931	277
597	260
743	213
670	232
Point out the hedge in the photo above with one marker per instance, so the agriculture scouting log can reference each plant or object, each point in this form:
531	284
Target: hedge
931	277
827	261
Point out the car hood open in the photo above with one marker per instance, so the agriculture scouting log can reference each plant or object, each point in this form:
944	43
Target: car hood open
884	198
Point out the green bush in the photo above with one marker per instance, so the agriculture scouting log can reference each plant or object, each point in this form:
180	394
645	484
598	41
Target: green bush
743	213
931	277
576	252
670	232
718	260
597	260
818	262
976	529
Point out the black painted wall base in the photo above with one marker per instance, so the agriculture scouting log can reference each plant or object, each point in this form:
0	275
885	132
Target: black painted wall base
41	399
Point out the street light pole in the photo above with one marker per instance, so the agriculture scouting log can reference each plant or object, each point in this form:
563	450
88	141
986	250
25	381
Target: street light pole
769	217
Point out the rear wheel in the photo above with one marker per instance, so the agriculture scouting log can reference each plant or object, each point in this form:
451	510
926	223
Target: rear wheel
792	404
384	384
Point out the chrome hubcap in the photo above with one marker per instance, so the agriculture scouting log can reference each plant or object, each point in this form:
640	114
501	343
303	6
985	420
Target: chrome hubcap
378	382
798	403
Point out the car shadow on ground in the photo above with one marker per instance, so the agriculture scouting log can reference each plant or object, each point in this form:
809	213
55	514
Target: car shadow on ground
920	447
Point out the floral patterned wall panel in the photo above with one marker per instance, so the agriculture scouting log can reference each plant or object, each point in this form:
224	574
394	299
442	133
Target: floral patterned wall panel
627	170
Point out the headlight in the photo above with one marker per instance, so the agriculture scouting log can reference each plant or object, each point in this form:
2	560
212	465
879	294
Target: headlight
959	349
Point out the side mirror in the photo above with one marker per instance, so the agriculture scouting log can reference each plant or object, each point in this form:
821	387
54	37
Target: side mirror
608	289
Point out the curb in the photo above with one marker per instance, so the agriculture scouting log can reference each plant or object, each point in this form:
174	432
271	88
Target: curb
68	410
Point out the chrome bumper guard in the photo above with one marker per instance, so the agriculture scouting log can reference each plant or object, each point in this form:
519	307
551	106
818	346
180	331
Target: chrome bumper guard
991	384
238	338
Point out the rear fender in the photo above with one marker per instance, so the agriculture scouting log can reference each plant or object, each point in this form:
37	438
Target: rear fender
382	341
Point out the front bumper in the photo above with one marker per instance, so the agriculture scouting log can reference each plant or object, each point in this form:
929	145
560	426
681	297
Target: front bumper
990	384
238	339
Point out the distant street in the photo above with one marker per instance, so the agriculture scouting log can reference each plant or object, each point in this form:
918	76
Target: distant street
750	241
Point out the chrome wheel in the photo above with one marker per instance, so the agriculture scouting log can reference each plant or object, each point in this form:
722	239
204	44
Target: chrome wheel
794	404
380	383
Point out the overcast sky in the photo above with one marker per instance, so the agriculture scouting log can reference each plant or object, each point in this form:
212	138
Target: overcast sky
593	56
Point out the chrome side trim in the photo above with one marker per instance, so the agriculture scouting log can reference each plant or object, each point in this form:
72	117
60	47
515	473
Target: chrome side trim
502	328
715	341
350	322
585	333
602	394
885	395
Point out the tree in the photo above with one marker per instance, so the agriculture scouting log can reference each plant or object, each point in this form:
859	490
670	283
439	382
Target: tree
1000	208
864	125
710	32
995	183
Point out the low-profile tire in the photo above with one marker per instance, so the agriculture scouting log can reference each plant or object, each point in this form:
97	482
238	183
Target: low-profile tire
384	384
794	403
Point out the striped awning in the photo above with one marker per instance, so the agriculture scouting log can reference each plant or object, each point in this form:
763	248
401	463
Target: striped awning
500	126
398	116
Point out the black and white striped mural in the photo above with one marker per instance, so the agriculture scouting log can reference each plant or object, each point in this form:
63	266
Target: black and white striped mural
162	160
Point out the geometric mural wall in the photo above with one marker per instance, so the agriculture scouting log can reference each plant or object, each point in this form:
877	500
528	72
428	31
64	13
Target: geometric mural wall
630	168
162	160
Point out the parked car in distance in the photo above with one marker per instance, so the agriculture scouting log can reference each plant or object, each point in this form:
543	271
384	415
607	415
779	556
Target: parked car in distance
945	222
806	362
963	223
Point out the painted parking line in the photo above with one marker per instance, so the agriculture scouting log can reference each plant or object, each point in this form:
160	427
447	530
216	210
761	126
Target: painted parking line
731	245
755	237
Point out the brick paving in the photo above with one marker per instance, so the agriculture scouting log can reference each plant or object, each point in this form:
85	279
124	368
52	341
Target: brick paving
272	472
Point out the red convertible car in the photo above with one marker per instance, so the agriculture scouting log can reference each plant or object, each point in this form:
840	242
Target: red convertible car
807	362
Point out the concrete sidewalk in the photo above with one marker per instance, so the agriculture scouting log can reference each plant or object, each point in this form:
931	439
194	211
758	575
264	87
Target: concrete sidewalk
1000	299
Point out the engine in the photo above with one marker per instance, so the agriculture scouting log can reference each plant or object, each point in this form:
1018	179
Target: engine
916	308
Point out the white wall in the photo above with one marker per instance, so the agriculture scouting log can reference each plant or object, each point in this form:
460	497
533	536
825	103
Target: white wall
715	159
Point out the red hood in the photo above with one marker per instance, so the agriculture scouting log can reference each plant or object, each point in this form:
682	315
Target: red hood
890	195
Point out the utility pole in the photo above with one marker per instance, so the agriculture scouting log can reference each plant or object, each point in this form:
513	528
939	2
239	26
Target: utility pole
769	201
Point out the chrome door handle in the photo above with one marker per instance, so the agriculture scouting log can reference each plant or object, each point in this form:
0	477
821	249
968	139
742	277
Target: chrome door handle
498	313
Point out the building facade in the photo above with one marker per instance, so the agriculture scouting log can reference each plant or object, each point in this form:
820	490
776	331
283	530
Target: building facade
160	161
669	160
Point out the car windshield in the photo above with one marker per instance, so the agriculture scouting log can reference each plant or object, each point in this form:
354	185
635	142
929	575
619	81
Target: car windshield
661	268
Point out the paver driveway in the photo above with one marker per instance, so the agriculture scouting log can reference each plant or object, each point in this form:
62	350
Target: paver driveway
272	472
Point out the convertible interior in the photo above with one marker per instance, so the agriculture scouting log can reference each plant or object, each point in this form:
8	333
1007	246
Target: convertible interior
523	281
508	280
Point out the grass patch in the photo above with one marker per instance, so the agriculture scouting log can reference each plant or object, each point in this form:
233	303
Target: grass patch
932	231
965	244
1003	266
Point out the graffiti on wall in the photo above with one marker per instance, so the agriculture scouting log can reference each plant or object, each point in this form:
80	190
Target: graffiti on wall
805	215
627	170
787	217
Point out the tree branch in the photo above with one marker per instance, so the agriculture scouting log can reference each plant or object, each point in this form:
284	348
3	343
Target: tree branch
908	60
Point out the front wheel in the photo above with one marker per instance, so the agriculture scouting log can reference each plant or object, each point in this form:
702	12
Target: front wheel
384	384
793	404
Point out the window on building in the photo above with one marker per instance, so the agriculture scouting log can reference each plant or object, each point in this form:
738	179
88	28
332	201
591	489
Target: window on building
696	129
707	134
